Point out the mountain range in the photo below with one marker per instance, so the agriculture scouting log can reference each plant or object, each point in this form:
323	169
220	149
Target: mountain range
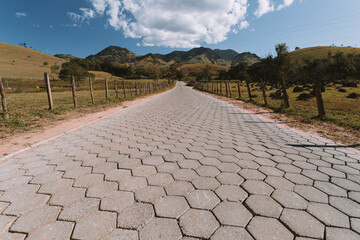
118	55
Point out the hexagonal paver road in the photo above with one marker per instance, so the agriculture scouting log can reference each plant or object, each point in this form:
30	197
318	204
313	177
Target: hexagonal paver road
182	166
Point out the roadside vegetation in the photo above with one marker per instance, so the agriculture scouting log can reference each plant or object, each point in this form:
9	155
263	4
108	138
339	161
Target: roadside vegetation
315	87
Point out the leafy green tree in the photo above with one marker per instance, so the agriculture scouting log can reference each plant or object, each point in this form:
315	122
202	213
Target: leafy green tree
284	67
73	68
55	70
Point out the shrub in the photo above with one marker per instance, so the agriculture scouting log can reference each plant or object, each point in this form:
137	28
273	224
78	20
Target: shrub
353	95
349	84
298	89
304	97
342	90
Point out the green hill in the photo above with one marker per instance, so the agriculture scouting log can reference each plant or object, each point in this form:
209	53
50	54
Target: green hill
114	55
313	53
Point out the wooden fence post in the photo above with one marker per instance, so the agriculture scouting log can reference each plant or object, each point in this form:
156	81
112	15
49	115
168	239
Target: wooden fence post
73	88
239	90
146	88
226	87
319	99
220	88
106	89
131	93
3	99
136	89
48	90
249	89
124	89
264	92
116	89
285	95
230	89
91	91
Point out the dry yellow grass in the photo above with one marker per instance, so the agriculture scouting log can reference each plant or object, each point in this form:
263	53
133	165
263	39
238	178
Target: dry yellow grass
16	61
99	74
313	53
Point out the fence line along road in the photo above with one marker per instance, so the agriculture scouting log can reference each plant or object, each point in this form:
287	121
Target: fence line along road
141	88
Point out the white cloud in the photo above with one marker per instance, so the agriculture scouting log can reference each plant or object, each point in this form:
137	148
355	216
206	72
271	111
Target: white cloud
265	6
176	23
286	3
20	14
76	17
244	24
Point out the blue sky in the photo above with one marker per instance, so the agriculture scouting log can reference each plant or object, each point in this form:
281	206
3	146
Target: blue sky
84	27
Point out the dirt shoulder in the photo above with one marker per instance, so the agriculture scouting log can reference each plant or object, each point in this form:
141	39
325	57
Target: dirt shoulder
69	122
324	129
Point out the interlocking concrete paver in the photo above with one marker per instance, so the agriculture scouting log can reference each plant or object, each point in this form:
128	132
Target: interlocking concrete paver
121	234
117	201
231	193
268	228
182	166
55	231
198	223
328	215
171	207
302	223
95	226
264	206
230	233
179	188
233	214
135	216
12	236
26	204
339	233
5	222
290	199
34	219
203	199
149	194
161	229
79	209
67	196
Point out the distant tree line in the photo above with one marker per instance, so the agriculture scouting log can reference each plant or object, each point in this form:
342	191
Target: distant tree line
80	69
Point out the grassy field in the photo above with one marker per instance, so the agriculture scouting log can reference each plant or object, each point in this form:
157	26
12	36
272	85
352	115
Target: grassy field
16	61
29	109
340	110
313	53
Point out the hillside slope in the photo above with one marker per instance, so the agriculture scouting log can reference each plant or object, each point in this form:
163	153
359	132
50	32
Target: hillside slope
313	53
20	62
114	55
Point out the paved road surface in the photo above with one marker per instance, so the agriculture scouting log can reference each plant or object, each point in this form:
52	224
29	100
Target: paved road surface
182	166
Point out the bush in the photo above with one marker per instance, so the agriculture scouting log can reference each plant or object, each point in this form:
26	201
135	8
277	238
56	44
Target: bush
353	95
349	84
304	97
191	83
298	89
342	90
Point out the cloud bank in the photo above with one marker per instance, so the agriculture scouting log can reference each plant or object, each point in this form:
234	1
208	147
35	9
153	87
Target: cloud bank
176	23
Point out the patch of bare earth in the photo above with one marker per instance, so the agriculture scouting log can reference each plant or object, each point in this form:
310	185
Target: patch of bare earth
324	129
